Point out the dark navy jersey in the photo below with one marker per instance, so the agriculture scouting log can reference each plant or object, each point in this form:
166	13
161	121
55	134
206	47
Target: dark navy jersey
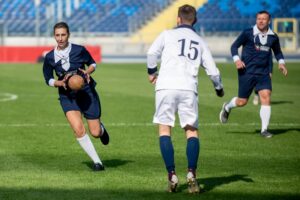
256	55
78	57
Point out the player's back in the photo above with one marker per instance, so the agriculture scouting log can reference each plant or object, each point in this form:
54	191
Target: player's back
180	60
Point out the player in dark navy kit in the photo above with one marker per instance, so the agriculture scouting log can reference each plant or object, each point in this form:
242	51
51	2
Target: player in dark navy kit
253	70
67	59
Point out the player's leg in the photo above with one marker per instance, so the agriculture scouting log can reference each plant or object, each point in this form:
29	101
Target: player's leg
265	89
188	116
165	117
89	103
265	112
167	152
192	153
76	123
98	130
246	85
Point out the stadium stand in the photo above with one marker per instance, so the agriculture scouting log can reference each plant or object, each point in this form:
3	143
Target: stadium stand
125	28
94	16
232	15
18	17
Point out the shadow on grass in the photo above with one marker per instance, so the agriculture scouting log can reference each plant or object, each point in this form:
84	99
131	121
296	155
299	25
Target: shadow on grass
129	194
110	163
280	131
281	102
211	183
273	131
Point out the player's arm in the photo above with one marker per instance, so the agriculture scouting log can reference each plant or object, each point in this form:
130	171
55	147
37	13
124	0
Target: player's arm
90	62
153	53
48	75
241	39
211	69
279	56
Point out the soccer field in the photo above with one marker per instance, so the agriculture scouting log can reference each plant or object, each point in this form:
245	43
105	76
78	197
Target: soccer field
41	159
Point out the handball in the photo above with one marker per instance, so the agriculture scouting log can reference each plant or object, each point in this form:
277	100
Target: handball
76	82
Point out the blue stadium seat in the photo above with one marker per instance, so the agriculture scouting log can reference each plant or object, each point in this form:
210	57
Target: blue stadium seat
221	15
126	16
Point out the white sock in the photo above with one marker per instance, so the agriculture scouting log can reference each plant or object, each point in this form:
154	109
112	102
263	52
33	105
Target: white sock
102	129
87	145
231	104
265	114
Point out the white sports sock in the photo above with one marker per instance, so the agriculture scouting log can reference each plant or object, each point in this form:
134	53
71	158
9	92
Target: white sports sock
265	114
231	104
102	129
87	145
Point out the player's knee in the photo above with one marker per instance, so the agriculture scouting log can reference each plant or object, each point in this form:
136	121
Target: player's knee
79	131
191	131
265	101
241	102
95	132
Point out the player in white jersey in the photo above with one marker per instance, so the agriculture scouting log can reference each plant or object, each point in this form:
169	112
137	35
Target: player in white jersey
182	52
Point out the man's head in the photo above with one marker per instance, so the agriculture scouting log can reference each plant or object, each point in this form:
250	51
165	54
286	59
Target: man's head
186	15
263	19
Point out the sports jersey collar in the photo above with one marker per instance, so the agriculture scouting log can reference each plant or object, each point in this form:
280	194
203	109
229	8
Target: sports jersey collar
63	56
186	26
256	31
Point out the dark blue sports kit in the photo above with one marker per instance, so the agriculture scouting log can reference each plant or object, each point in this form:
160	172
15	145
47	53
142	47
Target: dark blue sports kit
85	100
256	56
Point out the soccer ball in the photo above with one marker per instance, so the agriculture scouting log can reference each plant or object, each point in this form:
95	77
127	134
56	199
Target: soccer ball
75	82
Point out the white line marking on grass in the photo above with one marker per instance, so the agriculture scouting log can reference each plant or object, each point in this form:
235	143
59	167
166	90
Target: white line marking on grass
7	97
124	124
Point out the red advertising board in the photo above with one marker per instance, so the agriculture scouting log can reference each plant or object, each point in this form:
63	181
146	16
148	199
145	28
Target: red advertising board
33	54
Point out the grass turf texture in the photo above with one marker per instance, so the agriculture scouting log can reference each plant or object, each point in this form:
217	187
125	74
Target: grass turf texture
40	158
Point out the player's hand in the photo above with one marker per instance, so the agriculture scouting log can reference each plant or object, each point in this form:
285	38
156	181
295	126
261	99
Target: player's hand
240	64
60	84
63	83
220	92
86	75
283	69
152	78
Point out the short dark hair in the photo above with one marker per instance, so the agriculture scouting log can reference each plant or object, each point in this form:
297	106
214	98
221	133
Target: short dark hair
187	13
263	12
61	25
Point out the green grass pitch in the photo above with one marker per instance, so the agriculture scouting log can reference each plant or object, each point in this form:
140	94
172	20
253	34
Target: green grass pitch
40	158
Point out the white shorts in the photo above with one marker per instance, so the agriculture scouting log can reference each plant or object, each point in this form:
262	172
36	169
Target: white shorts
168	102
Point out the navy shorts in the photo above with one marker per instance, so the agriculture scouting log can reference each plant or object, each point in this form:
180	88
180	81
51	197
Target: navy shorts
247	82
86	101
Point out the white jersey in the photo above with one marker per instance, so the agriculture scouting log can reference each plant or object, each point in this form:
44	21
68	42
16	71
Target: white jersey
182	52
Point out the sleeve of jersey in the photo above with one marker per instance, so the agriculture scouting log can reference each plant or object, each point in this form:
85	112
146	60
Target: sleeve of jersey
236	45
154	52
48	72
277	51
88	59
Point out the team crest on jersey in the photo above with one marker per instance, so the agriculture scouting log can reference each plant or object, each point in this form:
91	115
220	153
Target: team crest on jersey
261	47
259	43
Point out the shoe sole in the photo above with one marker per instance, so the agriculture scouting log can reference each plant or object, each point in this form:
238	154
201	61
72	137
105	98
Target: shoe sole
193	186
269	136
221	113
